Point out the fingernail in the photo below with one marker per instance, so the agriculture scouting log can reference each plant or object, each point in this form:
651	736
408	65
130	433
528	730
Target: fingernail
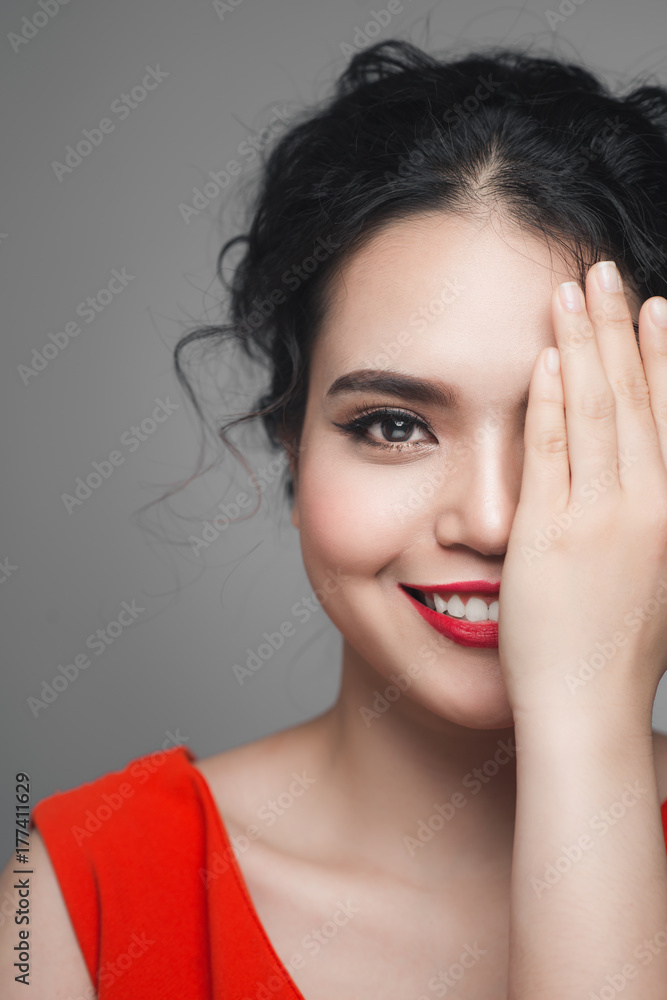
608	277
658	307
571	296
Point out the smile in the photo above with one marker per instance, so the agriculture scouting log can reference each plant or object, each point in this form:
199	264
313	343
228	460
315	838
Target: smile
474	608
469	618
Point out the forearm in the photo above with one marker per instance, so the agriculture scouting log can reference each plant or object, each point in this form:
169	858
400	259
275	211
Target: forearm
589	872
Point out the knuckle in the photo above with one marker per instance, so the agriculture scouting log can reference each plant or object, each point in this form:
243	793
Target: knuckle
657	346
599	406
551	441
633	389
613	314
660	411
597	314
579	333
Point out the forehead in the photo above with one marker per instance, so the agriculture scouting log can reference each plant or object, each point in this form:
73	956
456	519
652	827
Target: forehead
442	293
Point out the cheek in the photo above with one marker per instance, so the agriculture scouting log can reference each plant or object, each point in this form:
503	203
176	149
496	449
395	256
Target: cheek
348	515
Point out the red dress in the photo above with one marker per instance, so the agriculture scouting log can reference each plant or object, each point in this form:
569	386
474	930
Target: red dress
155	894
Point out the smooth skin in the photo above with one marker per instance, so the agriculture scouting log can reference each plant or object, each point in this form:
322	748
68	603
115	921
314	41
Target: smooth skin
488	295
587	735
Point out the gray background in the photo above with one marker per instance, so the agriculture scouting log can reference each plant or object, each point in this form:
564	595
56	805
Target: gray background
171	671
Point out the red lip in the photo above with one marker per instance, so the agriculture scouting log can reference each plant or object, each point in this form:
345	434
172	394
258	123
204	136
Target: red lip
464	587
465	633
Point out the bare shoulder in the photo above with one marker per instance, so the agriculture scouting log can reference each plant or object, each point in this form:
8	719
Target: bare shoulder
244	778
57	966
239	775
660	757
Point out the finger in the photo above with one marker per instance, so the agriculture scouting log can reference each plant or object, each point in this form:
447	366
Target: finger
653	344
545	481
590	407
637	435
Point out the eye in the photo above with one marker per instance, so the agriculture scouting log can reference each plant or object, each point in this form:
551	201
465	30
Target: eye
396	427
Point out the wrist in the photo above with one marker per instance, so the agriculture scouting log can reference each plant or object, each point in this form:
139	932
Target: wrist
592	719
574	688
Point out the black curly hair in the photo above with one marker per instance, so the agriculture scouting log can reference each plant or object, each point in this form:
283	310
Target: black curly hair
539	139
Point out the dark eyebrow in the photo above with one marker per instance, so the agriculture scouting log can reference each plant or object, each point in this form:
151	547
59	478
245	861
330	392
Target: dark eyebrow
409	387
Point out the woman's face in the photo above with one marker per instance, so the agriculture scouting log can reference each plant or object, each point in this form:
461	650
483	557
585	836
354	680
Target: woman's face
451	302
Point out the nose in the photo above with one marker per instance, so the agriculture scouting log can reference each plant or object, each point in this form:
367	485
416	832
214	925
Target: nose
476	500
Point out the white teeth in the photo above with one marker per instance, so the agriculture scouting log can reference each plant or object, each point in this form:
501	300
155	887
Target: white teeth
455	606
440	603
475	610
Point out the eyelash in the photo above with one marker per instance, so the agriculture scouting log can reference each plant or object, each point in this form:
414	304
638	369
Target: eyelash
358	426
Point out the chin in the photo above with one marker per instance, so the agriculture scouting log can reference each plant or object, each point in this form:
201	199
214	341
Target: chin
443	687
472	708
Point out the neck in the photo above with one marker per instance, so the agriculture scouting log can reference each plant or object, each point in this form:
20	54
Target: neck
408	791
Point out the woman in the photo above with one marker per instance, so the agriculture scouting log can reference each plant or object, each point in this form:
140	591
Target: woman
455	272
